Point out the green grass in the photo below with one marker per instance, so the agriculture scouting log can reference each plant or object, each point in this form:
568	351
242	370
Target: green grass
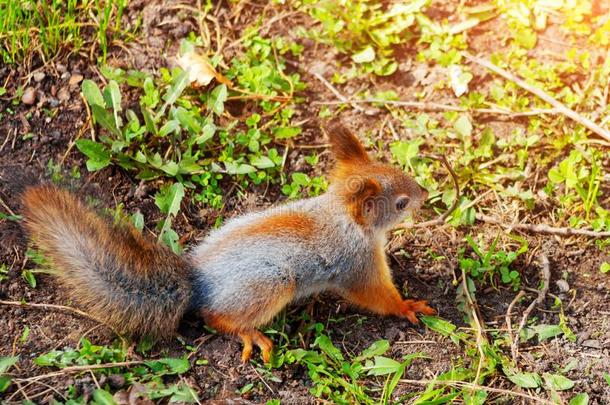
31	28
150	374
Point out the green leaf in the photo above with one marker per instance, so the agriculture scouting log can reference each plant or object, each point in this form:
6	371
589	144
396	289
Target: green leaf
557	382
137	219
169	365
29	277
463	126
526	37
188	120
555	176
300	179
365	55
169	127
112	96
376	349
382	366
262	162
178	85
172	94
47	359
171	238
207	133
170	168
286	132
326	345
580	399
439	325
242	168
523	379
7	362
103	397
99	156
5	382
105	119
148	120
168	198
217	99
92	93
604	267
607	378
547	331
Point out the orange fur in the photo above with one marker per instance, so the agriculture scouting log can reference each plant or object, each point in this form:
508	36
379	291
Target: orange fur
282	224
244	324
379	294
355	189
345	145
83	247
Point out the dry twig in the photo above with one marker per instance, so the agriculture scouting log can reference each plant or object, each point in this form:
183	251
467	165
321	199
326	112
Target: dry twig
543	95
543	228
334	90
57	307
77	369
545	273
463	384
431	106
509	326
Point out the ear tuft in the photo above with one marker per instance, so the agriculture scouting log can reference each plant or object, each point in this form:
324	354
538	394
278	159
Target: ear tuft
345	145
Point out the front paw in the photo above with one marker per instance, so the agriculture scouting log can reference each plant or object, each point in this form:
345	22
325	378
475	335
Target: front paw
412	307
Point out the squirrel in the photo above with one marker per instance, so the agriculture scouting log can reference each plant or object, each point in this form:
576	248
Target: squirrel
245	272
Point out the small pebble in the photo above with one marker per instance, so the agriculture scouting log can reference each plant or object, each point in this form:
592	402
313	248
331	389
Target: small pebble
582	336
592	343
63	94
38	76
61	68
75	79
563	285
116	381
53	102
29	96
65	75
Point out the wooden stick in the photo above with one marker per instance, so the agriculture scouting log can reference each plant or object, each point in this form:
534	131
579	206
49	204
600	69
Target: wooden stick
509	327
545	273
430	106
543	228
334	90
463	384
76	369
543	95
53	306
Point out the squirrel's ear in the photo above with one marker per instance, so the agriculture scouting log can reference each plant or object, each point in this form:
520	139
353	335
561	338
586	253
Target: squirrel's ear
360	197
345	145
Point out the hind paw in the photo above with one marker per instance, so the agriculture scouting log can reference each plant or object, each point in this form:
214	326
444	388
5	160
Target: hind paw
412	307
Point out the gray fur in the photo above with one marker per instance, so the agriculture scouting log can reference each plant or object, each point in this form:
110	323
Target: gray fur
225	266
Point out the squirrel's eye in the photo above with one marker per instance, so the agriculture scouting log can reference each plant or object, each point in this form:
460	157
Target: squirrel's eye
402	203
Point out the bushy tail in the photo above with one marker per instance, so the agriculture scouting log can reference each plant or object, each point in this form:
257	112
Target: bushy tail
138	287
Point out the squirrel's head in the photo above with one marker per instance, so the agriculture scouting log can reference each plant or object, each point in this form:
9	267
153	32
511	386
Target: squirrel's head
376	195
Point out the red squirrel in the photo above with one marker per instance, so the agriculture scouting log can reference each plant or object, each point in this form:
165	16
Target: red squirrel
244	273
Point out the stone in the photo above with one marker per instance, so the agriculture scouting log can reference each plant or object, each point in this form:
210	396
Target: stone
29	96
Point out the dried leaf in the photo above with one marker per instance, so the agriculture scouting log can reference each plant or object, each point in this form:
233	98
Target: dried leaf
200	71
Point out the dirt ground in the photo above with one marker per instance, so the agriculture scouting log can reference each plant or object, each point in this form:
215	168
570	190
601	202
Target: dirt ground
575	260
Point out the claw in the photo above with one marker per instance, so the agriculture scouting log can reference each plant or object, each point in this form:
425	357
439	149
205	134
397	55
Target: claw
412	307
262	341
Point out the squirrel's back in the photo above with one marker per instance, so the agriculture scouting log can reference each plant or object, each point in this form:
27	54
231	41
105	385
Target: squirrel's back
307	246
135	285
